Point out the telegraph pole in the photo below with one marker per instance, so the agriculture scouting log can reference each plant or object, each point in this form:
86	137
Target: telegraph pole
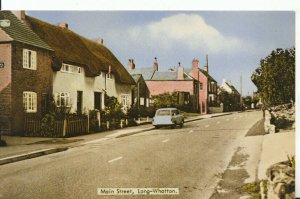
241	90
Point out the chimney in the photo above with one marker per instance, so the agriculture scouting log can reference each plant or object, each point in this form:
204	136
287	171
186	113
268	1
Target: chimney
206	66
101	41
180	72
195	68
20	14
131	64
155	64
63	25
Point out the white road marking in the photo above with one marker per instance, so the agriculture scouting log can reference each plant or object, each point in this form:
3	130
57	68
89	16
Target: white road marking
206	126
167	140
227	119
95	141
234	118
241	116
218	122
115	159
191	131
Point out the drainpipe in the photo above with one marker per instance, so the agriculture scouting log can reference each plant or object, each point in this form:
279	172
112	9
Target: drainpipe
138	94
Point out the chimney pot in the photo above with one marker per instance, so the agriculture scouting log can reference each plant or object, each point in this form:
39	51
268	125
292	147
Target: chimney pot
63	25
155	64
131	64
20	14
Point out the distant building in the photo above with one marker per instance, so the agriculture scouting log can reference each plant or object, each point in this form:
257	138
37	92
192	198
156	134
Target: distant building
140	91
177	80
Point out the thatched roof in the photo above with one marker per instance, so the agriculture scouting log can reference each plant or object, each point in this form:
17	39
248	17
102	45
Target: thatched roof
69	47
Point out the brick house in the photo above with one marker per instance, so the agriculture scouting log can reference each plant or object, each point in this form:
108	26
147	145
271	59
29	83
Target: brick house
43	61
172	81
25	74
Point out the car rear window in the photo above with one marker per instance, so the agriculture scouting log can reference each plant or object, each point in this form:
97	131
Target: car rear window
163	112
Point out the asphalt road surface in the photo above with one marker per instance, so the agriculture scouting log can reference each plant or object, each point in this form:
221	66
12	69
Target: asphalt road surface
191	159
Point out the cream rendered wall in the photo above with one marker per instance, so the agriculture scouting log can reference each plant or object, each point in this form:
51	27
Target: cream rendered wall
73	82
116	89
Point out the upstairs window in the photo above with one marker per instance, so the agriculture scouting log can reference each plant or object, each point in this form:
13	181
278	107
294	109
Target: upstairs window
109	75
29	59
201	86
29	101
71	69
63	99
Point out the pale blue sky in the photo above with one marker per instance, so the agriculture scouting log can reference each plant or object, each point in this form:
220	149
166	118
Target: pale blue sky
234	41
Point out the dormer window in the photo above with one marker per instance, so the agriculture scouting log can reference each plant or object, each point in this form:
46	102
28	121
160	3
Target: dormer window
109	74
29	59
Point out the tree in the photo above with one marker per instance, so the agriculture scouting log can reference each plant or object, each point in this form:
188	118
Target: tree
275	77
231	102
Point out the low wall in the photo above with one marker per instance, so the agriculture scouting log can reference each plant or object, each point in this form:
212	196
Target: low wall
215	109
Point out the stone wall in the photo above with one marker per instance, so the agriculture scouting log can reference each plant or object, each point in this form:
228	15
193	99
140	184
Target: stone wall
278	117
280	182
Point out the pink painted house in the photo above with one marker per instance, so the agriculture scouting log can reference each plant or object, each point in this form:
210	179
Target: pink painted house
190	81
200	76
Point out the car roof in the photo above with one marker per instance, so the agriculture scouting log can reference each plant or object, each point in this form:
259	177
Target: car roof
169	109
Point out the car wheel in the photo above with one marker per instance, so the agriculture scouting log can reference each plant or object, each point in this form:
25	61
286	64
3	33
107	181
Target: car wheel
157	127
181	124
173	126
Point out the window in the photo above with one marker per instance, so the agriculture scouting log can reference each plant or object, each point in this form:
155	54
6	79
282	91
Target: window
142	101
71	68
29	59
124	100
147	102
30	101
201	86
109	74
63	99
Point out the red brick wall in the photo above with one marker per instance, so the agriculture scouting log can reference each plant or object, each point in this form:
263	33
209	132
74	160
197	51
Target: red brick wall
39	81
5	86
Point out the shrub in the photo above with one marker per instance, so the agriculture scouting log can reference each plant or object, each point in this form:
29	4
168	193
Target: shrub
3	142
48	124
281	122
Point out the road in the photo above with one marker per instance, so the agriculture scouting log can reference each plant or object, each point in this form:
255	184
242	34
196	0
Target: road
191	159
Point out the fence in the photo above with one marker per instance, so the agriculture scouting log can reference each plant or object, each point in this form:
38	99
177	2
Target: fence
61	128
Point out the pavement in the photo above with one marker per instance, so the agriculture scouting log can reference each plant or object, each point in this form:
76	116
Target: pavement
21	148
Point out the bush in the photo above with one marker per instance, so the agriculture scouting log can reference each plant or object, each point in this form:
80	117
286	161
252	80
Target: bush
281	122
3	142
48	124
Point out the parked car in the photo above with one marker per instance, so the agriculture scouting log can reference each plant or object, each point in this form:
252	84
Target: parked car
168	117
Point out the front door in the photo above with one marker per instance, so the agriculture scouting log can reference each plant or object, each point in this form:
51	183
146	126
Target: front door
79	102
97	100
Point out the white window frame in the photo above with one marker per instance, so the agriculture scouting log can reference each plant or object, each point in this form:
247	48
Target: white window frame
30	102
142	101
109	74
29	59
124	98
66	98
147	102
68	68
